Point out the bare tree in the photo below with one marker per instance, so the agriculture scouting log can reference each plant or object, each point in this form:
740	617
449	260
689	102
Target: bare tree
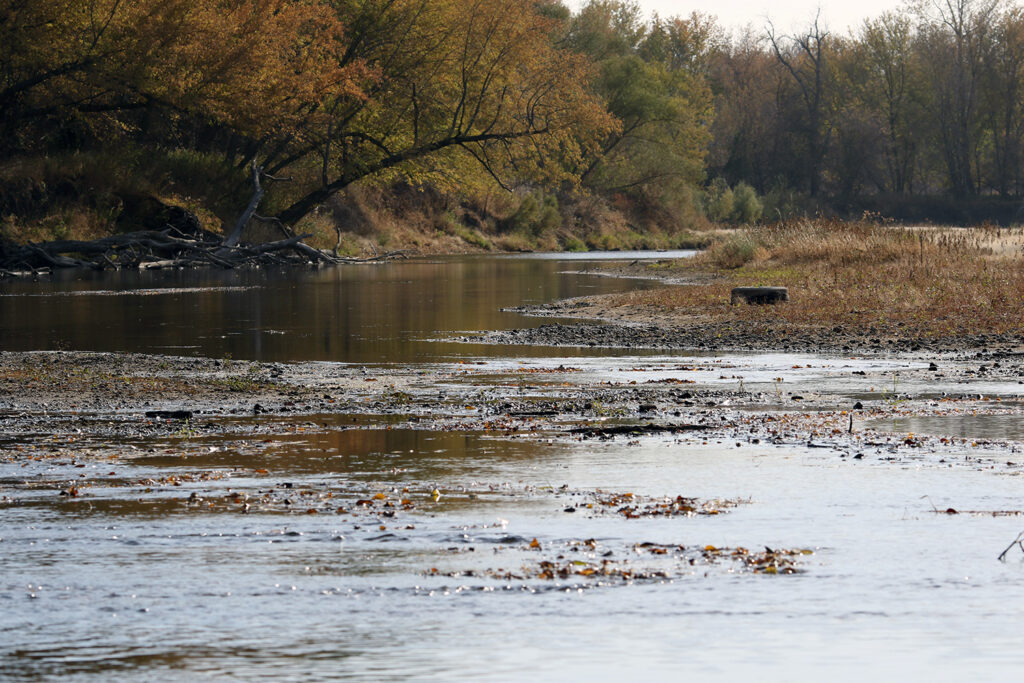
805	57
889	51
957	34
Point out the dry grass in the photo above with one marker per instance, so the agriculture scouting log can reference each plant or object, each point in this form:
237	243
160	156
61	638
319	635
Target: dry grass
863	277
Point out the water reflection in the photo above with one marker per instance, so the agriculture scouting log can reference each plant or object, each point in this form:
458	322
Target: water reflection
380	455
1008	427
360	314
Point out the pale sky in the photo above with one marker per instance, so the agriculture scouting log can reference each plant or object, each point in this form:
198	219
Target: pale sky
838	15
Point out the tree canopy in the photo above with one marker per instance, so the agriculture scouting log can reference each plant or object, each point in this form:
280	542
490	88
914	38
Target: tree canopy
528	94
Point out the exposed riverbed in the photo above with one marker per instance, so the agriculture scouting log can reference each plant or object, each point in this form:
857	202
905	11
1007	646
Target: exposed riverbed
327	475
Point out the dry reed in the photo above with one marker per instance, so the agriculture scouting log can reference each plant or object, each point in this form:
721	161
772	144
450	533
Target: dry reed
863	277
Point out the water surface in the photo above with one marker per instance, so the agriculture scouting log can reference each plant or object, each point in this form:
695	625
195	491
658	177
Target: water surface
156	570
389	312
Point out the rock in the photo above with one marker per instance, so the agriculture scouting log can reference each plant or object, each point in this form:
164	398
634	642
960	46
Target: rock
758	295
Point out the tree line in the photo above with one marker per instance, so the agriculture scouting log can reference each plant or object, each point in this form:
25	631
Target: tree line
670	116
922	101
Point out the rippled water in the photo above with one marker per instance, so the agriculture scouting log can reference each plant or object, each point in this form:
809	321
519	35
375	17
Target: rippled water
137	579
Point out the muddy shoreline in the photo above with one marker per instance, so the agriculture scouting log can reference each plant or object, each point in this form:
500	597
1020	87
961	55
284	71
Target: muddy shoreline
605	324
108	398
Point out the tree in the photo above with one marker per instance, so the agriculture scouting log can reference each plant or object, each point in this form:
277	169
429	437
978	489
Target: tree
806	57
1002	101
890	86
479	81
249	65
748	140
652	77
956	35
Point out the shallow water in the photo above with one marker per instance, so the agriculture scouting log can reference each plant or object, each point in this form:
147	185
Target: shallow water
392	312
136	578
1006	427
94	588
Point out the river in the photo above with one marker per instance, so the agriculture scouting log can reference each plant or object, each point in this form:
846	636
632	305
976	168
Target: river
143	582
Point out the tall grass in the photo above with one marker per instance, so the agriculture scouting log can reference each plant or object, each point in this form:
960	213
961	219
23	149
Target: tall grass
865	277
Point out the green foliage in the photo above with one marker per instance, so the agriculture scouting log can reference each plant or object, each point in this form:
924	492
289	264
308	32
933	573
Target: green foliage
536	214
718	202
574	244
647	77
746	207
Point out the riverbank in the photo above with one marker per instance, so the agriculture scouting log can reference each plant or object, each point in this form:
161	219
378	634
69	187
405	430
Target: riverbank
857	288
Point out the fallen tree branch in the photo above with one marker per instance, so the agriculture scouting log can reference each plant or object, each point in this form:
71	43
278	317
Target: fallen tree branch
175	247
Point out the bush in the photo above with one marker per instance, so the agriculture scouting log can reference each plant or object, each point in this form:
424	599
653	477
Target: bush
781	203
719	201
574	244
746	207
733	252
536	214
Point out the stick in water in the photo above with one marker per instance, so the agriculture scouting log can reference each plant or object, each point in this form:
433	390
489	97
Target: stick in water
1016	541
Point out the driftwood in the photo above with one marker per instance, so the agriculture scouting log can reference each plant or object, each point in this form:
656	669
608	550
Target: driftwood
176	246
152	250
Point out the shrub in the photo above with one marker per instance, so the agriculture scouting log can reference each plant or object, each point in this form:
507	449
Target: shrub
574	244
719	201
781	203
735	251
746	207
536	214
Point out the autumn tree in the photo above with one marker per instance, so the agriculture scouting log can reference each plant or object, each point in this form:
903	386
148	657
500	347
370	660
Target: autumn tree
889	82
249	65
748	141
955	37
479	81
1003	103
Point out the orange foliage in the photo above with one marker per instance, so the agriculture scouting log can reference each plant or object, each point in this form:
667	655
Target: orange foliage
254	65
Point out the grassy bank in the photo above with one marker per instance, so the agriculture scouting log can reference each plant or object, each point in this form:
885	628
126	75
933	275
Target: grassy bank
860	277
87	195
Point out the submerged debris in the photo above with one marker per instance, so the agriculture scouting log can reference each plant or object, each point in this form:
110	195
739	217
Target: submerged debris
642	562
632	506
